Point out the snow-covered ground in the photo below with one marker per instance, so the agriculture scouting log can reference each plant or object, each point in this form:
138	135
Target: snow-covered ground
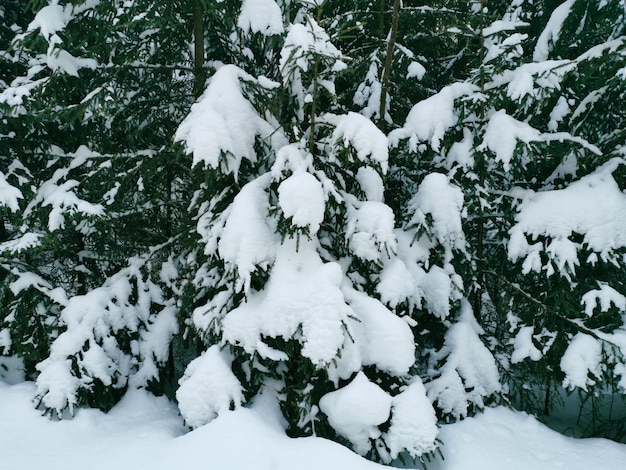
145	432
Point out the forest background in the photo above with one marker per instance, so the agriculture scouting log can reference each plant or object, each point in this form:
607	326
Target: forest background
382	214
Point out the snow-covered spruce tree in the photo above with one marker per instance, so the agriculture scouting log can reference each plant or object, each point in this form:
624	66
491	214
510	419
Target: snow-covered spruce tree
567	236
299	255
91	251
39	199
509	139
460	371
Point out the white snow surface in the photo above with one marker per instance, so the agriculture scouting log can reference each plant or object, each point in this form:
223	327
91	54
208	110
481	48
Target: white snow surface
469	373
51	19
523	346
606	296
304	44
384	339
223	123
59	59
499	26
370	230
504	132
416	70
413	422
438	291
504	439
302	41
552	31
371	183
582	361
558	113
367	95
27	279
443	201
291	158
261	16
63	200
429	119
302	292
396	283
302	198
362	134
594	207
521	81
462	153
143	432
90	319
338	327
246	240
9	195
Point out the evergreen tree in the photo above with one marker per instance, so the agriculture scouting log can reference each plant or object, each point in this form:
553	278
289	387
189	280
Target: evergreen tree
574	275
105	197
504	140
300	254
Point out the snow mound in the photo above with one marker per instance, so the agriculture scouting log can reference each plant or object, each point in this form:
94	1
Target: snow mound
144	432
356	410
413	424
501	438
208	388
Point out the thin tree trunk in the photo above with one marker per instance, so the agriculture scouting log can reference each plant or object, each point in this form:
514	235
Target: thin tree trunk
3	230
313	108
546	401
81	276
316	67
480	163
198	42
384	87
381	18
